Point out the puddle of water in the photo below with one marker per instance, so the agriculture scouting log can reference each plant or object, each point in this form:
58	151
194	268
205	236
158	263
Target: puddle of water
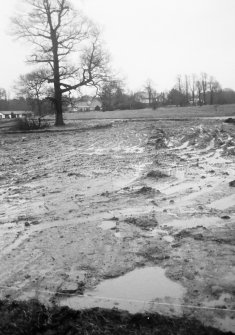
44	226
184	145
135	292
178	187
156	231
180	174
135	149
227	324
159	232
107	225
118	148
223	203
134	211
168	238
194	222
216	158
220	301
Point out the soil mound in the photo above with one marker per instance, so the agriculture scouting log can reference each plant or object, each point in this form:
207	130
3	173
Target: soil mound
147	191
205	138
232	183
158	139
144	221
230	120
156	174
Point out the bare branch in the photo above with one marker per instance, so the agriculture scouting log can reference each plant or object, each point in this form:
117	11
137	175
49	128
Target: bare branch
56	31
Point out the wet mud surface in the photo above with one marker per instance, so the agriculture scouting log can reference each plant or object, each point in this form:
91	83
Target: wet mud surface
82	207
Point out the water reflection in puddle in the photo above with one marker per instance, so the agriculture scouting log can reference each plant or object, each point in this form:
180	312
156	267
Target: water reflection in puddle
107	225
226	324
194	222
160	233
223	203
156	232
136	292
168	238
180	187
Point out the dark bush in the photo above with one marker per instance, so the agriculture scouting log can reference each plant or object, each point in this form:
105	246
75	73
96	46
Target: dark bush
23	124
230	120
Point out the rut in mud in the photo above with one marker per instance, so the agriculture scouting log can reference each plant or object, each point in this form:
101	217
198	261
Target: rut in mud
80	207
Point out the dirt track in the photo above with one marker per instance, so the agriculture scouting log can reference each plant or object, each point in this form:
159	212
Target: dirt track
82	206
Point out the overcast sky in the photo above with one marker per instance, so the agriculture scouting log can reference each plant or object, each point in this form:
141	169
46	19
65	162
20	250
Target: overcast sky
151	39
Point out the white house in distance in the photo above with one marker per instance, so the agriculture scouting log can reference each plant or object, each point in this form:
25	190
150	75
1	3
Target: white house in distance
5	115
85	104
142	97
14	114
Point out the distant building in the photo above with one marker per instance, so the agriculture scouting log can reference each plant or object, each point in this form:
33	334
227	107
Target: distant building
96	104
85	104
18	114
14	114
5	115
142	97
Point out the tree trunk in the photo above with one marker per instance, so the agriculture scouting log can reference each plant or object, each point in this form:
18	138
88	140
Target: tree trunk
59	121
58	95
58	107
199	98
39	104
56	72
39	107
204	97
211	97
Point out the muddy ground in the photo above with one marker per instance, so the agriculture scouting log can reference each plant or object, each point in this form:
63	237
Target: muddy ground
81	206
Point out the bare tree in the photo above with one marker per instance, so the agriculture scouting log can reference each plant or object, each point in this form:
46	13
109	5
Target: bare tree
186	85
3	94
57	31
214	87
111	94
192	85
152	94
199	91
3	99
33	86
179	83
204	85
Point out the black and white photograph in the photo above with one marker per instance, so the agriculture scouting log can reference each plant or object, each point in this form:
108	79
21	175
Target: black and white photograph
117	167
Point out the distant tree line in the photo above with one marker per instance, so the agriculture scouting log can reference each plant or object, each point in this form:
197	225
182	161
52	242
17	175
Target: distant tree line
113	97
39	106
34	93
189	90
199	90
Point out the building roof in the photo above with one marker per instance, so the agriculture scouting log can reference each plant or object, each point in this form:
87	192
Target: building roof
85	103
22	112
82	104
5	112
142	96
15	112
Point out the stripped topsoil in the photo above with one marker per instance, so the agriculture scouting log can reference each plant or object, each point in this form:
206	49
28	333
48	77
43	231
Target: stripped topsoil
79	208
